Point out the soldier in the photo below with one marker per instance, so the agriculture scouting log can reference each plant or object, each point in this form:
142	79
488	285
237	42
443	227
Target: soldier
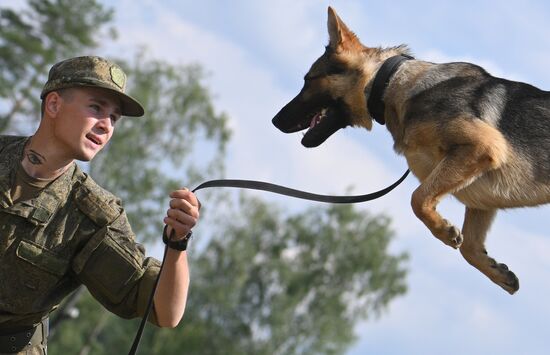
60	230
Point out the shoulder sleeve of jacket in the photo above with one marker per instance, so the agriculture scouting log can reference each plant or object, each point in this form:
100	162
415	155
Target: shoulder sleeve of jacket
5	141
111	264
98	204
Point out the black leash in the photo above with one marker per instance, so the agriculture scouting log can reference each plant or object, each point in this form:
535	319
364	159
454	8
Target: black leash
263	186
282	190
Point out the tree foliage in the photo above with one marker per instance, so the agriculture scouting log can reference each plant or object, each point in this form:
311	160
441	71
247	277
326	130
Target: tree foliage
265	282
33	39
180	141
269	284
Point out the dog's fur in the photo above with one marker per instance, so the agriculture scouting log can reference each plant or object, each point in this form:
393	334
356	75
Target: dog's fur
483	139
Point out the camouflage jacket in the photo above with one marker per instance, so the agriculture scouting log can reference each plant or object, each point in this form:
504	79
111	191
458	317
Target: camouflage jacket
73	233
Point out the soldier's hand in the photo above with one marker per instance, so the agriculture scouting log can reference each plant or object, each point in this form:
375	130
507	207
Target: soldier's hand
183	213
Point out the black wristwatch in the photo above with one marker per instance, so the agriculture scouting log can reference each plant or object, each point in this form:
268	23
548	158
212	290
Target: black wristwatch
180	245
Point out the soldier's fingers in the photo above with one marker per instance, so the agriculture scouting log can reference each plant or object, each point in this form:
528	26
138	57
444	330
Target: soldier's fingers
185	194
181	217
180	203
180	229
185	206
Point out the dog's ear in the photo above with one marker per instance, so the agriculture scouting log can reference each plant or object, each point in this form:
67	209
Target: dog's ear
340	37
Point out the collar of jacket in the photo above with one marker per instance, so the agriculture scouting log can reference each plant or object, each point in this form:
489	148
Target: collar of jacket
375	102
54	194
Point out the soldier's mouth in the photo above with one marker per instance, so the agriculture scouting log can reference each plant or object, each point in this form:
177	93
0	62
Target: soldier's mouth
94	139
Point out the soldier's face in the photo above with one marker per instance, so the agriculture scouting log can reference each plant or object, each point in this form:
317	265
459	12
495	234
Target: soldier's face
86	120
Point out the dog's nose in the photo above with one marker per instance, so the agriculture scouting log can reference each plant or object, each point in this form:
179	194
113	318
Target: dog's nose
278	121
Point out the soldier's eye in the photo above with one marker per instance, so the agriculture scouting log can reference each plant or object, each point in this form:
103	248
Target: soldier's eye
114	119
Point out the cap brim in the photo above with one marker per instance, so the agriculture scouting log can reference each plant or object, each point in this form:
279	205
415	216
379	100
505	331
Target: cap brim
129	106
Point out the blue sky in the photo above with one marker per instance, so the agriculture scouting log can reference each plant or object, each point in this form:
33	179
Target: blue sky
256	53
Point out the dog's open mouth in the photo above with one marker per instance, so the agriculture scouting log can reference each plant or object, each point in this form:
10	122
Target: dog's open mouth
319	129
320	121
322	125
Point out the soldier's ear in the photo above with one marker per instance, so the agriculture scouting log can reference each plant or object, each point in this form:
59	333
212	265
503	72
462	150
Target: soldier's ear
52	104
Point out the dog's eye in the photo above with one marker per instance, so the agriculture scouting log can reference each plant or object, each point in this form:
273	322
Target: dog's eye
333	70
336	70
309	77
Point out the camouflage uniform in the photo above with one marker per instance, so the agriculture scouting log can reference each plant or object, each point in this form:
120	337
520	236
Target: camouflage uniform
72	233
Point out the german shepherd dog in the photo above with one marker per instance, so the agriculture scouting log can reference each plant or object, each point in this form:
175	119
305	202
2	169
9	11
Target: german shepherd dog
483	139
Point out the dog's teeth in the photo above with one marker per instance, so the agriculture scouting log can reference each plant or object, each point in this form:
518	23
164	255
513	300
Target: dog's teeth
314	121
317	118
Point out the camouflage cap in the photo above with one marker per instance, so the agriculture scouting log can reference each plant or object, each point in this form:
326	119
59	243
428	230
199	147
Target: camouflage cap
95	72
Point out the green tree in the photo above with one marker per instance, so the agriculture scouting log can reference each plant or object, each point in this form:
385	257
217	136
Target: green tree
34	38
269	284
146	158
266	283
181	140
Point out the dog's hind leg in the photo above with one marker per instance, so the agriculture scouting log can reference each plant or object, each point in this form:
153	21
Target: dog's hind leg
476	225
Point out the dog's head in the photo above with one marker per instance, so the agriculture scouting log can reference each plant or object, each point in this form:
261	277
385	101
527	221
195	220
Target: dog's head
333	93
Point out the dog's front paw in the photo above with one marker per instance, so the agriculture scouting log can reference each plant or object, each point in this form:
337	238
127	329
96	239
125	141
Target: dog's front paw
451	235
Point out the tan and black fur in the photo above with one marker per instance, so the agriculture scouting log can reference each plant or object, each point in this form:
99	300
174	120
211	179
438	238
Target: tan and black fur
483	139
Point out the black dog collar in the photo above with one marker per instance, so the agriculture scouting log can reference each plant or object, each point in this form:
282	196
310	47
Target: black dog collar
375	102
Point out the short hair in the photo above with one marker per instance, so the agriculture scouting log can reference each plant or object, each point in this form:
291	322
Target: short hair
65	93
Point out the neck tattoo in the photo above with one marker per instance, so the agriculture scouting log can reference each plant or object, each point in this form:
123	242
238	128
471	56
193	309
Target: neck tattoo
35	158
